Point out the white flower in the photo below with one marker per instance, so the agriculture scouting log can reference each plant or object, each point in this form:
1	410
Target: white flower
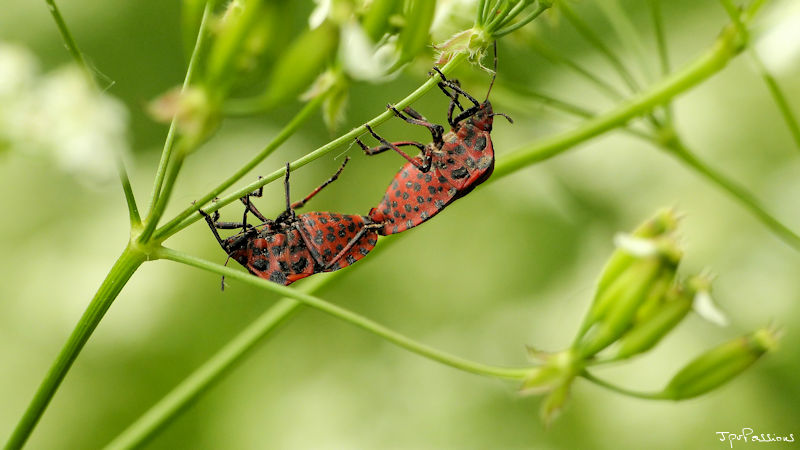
704	306
779	45
636	246
361	58
61	116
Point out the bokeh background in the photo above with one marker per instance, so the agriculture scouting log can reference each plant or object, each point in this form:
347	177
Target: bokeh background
509	265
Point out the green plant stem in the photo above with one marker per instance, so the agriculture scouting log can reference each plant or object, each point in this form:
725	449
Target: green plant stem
479	19
660	93
556	57
348	138
204	377
628	35
224	360
595	40
166	153
350	317
745	198
77	55
774	89
116	279
130	199
624	391
522	22
507	15
301	117
69	42
663	54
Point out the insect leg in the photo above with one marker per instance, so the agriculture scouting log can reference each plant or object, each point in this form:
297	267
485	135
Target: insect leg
299	204
417	119
386	145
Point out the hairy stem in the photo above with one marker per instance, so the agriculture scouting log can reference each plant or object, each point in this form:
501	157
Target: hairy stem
116	279
350	317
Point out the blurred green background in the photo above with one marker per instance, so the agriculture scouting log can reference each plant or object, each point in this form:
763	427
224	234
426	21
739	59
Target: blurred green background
509	265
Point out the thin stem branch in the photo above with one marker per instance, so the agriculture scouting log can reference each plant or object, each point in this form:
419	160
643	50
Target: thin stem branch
598	43
69	42
346	138
522	22
624	391
661	92
305	113
133	210
122	270
350	317
557	57
166	152
663	53
628	35
77	55
745	198
774	89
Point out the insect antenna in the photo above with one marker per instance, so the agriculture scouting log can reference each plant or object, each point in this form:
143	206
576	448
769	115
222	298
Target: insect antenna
494	72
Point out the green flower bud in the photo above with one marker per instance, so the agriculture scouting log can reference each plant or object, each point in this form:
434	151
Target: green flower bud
721	364
664	222
415	35
232	33
617	306
376	18
656	323
556	369
196	115
302	63
554	403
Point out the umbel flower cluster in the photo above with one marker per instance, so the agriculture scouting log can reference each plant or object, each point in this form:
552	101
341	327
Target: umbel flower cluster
639	300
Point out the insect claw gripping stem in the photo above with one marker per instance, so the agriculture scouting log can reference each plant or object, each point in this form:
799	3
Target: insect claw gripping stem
417	119
423	166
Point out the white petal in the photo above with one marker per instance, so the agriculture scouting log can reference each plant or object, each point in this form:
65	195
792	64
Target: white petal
320	13
636	246
704	306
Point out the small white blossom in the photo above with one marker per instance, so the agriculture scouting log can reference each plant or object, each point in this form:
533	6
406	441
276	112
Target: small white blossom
361	58
704	306
61	116
320	13
779	45
636	246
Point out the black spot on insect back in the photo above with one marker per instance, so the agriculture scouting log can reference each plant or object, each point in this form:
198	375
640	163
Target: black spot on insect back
459	173
299	265
260	264
480	143
278	277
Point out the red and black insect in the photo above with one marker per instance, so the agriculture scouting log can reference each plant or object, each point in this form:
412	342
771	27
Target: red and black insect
294	246
445	170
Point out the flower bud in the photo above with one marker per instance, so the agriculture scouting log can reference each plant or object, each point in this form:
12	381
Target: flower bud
302	63
233	31
415	35
376	18
617	306
664	222
651	327
721	364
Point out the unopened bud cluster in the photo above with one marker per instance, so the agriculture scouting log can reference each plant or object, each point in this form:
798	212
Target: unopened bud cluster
639	299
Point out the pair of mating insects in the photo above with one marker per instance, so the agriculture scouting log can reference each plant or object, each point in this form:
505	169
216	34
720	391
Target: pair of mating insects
295	246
